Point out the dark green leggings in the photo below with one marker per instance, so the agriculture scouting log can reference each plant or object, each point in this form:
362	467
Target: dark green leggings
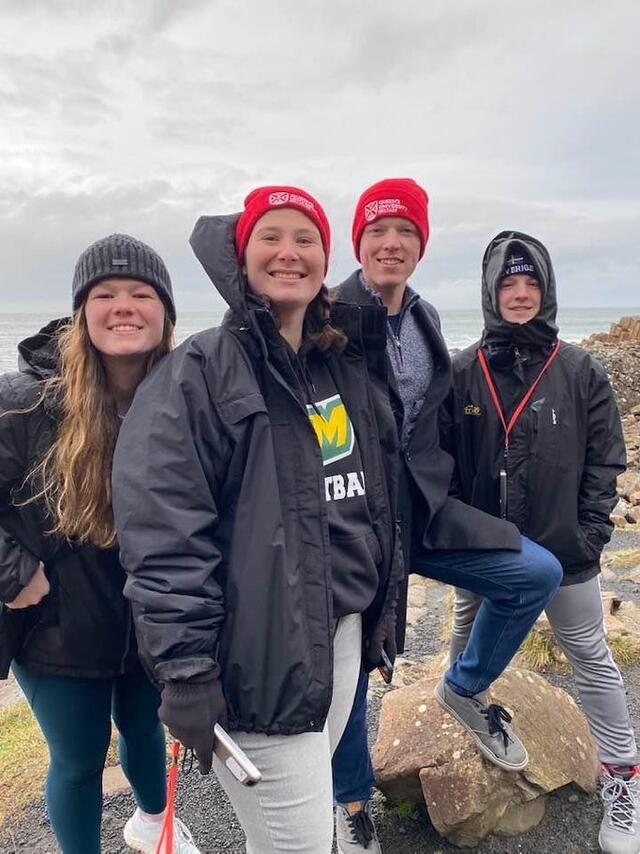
75	717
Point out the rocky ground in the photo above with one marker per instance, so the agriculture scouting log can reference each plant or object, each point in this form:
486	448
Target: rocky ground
570	825
622	362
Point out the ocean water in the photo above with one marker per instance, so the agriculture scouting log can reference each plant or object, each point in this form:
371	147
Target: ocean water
460	327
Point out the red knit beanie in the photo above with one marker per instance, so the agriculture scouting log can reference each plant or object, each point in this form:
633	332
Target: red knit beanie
400	197
264	199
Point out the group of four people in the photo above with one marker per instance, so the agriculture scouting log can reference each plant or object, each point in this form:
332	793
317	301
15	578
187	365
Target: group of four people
274	481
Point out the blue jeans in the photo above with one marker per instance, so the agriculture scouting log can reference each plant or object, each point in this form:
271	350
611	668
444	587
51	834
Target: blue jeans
515	587
353	776
75	717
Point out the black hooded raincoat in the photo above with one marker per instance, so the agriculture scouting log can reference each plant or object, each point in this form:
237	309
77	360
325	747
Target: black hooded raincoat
220	506
82	627
567	448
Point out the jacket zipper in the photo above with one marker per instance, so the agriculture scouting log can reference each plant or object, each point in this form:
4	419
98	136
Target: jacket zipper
396	338
280	380
504	482
127	642
396	341
520	408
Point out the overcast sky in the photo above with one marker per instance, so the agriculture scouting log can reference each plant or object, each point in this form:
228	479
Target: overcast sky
141	115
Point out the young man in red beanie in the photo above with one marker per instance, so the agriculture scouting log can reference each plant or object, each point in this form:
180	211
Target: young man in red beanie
442	537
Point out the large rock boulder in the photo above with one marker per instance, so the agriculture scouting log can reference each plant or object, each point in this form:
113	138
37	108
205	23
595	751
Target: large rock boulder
627	329
423	754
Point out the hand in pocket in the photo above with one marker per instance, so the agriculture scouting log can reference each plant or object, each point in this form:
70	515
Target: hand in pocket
33	593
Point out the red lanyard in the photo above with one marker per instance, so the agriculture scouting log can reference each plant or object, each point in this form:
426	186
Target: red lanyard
525	400
166	837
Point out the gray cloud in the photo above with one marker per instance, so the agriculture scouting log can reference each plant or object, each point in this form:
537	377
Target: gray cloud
139	116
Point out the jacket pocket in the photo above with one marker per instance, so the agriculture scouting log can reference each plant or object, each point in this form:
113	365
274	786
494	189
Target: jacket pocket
235	411
554	438
591	548
16	626
356	562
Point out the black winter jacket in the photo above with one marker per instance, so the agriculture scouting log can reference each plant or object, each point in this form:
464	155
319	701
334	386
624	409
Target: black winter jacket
430	518
566	450
441	521
83	627
220	506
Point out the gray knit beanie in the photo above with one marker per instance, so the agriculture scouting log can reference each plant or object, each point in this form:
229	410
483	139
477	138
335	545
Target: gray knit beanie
124	257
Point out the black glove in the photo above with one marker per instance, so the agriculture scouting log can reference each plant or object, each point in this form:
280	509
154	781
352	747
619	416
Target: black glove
383	637
190	710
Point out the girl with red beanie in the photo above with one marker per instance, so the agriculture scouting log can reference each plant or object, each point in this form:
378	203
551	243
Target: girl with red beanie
256	521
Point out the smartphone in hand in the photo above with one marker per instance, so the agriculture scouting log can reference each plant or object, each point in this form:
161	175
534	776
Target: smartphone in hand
235	759
386	668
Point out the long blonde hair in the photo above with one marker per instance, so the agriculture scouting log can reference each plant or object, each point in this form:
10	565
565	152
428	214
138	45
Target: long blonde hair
74	476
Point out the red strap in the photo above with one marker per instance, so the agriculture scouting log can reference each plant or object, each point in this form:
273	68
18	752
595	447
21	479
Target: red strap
495	397
166	837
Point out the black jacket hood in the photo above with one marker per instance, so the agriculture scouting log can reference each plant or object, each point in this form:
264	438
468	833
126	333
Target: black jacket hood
542	331
213	242
38	354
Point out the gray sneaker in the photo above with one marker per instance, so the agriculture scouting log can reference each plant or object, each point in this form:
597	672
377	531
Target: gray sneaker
619	832
489	726
356	833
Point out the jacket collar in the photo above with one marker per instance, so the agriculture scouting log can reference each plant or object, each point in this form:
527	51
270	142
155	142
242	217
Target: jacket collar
353	291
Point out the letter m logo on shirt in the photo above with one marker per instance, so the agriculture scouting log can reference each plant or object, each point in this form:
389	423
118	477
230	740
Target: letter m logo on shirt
333	428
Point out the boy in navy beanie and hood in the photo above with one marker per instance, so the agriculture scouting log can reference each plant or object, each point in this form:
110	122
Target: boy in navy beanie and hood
556	481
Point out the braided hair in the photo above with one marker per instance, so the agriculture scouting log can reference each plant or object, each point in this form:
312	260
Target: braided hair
318	329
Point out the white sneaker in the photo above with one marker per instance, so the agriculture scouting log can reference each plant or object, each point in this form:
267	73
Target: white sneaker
619	831
143	835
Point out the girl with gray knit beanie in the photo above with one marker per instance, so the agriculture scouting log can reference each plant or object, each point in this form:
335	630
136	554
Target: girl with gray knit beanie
65	626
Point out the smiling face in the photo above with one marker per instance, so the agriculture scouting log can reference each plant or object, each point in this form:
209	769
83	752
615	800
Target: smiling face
389	252
125	318
519	298
284	259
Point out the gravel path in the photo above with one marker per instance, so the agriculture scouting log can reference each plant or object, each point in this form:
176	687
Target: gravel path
569	827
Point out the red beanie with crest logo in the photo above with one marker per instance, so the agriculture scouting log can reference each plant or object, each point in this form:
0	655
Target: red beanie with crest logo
398	197
265	199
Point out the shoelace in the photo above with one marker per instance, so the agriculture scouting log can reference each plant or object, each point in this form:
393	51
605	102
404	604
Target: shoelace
361	827
495	716
181	835
619	797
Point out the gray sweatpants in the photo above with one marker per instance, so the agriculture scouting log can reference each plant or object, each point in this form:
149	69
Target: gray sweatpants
291	808
577	619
